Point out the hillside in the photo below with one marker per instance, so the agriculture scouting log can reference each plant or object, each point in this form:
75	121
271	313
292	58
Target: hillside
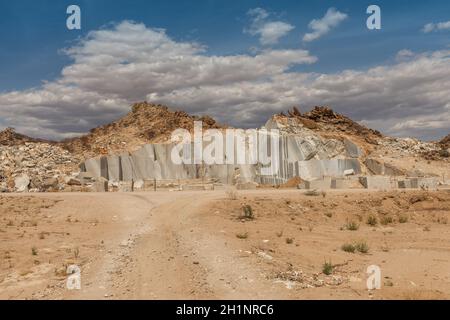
145	123
445	142
9	137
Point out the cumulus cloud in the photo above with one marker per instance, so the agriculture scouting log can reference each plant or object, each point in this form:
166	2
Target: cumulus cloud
129	62
404	55
413	93
269	32
113	68
321	27
431	27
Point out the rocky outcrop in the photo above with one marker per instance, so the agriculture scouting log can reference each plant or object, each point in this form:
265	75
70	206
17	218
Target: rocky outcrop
325	119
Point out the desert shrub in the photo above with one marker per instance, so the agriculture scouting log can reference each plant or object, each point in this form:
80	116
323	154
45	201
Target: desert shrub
386	220
372	220
327	268
248	212
352	226
348	247
361	246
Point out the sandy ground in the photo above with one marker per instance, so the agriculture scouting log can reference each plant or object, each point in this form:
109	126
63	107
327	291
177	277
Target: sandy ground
200	245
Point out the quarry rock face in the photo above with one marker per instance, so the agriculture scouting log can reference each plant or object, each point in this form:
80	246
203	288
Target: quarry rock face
307	157
133	152
322	160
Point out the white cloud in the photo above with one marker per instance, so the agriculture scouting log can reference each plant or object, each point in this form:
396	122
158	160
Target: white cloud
431	27
322	26
113	68
404	55
269	32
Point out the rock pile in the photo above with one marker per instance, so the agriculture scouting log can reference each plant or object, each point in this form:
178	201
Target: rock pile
415	147
35	166
408	146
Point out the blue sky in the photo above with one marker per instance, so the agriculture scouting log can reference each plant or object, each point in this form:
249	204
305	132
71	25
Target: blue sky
33	34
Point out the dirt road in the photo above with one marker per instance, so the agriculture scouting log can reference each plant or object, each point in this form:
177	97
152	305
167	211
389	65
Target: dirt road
196	245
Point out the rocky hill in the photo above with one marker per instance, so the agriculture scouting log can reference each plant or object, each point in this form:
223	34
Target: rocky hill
146	123
328	124
9	137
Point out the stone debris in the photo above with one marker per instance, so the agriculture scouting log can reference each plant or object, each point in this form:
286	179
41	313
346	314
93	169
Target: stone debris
35	166
408	146
304	281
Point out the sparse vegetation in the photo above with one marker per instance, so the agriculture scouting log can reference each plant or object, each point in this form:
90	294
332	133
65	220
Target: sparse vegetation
386	220
362	247
372	220
327	268
352	226
403	218
328	214
248	212
348	247
34	251
289	240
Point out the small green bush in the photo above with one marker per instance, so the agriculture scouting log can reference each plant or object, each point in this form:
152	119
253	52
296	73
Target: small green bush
327	268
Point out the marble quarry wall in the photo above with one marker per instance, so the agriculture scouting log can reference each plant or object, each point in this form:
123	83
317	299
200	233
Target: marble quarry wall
296	156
